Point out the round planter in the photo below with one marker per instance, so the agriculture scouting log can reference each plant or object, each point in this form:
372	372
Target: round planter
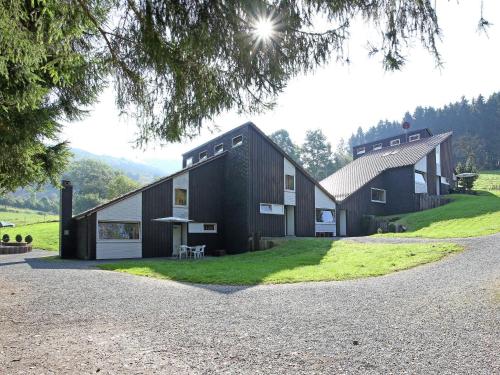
14	247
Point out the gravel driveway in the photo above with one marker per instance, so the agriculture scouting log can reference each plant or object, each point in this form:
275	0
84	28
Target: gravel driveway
62	317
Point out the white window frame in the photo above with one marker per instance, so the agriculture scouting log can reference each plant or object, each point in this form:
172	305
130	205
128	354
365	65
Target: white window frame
210	230
272	212
414	137
200	228
291	175
395	142
239	143
220	151
377	201
187	197
189	161
326	209
201	158
99	239
360	151
378	146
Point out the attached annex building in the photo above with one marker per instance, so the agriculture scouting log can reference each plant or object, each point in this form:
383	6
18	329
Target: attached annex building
236	186
387	177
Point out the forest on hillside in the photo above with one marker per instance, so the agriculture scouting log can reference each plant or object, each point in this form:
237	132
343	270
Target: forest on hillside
475	125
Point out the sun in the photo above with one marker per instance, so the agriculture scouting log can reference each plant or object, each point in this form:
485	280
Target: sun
264	28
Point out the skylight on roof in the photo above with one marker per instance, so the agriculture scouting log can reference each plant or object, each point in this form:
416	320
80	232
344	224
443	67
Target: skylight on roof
393	152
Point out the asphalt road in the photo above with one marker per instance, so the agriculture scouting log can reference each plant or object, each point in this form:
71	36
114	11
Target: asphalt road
64	317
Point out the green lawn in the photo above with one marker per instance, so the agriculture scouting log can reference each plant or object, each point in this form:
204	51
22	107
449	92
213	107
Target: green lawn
23	216
465	216
293	261
45	235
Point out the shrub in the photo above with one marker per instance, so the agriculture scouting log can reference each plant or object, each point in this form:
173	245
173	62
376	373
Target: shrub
391	227
28	239
19	238
379	230
5	238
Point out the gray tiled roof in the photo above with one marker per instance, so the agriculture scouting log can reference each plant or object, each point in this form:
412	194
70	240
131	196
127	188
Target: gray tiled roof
356	174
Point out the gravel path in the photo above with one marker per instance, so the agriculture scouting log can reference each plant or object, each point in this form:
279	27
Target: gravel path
62	317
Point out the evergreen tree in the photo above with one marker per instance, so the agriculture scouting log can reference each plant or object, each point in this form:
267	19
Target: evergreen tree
316	155
342	156
283	140
174	64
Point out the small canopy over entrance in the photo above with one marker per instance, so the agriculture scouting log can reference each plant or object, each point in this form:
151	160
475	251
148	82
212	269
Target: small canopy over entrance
173	219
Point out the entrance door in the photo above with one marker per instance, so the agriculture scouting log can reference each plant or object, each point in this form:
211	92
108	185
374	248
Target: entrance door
343	222
290	220
176	238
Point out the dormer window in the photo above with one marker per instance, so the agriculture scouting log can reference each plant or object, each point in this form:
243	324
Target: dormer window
189	162
414	137
203	155
237	140
218	148
360	151
378	146
395	142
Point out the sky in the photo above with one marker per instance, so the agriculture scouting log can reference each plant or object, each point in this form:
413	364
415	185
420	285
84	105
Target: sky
338	98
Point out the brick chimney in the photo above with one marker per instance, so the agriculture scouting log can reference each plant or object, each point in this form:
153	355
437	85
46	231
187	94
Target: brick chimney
66	242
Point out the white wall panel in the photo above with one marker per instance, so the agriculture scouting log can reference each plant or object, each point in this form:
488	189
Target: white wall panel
327	228
289	198
322	200
127	209
118	249
438	160
421	165
289	168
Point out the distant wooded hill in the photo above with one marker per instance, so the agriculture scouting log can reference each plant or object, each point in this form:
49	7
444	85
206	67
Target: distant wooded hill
475	125
86	178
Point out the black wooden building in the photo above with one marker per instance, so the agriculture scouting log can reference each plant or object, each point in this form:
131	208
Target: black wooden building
237	186
388	177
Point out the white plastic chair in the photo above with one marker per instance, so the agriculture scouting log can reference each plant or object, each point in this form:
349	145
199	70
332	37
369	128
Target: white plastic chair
183	249
199	251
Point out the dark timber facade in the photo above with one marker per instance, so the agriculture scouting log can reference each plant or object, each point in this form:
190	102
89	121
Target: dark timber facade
238	186
389	180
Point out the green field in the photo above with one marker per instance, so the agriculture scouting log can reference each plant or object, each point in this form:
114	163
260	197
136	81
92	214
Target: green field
23	216
466	216
294	261
45	235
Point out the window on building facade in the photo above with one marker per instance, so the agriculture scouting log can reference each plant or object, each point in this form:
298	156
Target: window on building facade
210	227
189	162
218	148
395	142
180	197
414	137
237	140
378	195
360	151
118	230
272	209
203	155
325	215
289	182
378	146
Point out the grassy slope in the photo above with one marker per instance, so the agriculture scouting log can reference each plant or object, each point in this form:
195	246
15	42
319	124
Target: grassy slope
45	235
466	216
23	216
294	261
